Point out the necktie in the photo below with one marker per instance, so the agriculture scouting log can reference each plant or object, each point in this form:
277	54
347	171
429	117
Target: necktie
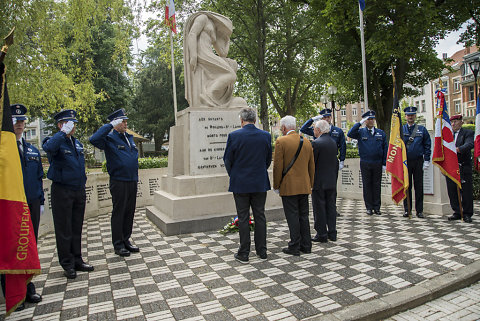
126	139
20	147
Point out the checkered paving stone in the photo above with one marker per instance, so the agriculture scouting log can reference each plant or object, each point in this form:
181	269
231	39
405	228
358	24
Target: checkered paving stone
195	277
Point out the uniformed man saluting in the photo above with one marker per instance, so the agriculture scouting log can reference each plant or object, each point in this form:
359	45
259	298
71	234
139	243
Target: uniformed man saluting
372	148
418	144
32	171
67	172
122	166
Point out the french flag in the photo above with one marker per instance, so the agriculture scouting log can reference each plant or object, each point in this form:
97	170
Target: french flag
170	16
444	151
476	152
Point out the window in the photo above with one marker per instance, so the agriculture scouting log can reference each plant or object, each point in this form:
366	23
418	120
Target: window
423	91
456	85
354	111
424	108
46	132
457	106
344	125
471	93
417	104
343	112
33	132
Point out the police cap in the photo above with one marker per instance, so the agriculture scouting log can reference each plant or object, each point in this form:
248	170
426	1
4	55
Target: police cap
326	112
369	113
118	114
18	111
410	110
66	115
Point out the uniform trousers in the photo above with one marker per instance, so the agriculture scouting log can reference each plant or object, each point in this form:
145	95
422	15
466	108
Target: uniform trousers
296	213
34	207
68	210
466	193
124	199
324	213
372	179
243	202
415	171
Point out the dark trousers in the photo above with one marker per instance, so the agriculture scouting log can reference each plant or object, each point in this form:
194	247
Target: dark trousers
243	202
415	171
466	193
324	213
372	180
296	213
68	210
124	199
34	207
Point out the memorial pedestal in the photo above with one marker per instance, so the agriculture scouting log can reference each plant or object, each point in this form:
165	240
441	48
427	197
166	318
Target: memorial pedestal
193	196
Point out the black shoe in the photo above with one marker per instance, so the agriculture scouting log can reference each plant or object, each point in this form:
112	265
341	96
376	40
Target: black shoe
377	212
291	252
332	238
319	239
122	252
20	307
262	257
454	217
84	267
369	212
467	219
70	273
405	214
33	298
241	259
420	215
306	251
131	248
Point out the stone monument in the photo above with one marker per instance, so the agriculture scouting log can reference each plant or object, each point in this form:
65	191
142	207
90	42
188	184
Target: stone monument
194	195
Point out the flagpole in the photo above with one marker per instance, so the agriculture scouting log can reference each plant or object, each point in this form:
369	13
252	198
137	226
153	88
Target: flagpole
460	202
364	63
173	78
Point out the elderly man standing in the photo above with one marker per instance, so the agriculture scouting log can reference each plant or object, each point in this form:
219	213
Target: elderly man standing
372	147
325	184
122	165
464	143
247	156
293	174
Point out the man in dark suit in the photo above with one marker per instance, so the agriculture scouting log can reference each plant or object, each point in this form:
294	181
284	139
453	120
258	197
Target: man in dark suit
325	183
247	156
464	142
295	185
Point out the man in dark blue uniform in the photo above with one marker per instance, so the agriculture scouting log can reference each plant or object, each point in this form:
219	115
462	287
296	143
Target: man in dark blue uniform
372	148
418	143
67	172
32	171
122	166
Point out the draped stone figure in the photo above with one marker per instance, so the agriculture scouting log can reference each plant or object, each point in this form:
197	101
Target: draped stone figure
209	75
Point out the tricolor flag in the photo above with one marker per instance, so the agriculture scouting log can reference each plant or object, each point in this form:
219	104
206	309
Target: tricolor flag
362	4
397	153
18	253
170	16
476	152
444	151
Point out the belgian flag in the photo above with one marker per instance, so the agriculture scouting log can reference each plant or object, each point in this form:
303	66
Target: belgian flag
18	252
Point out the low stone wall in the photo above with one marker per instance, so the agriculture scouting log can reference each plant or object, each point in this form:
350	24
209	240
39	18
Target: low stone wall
99	200
436	200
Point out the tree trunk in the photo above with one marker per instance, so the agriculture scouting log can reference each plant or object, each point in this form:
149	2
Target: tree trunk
262	76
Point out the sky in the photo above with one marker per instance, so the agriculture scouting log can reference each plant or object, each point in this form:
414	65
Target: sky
449	45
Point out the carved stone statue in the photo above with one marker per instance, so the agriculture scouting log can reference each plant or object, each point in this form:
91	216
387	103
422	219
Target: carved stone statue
209	77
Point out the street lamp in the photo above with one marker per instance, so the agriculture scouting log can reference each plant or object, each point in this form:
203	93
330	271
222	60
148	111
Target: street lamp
332	90
324	100
475	67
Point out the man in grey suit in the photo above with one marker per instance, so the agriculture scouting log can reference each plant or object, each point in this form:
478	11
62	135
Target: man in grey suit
325	184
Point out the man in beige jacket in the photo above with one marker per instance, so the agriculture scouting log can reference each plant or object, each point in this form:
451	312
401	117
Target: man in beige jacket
296	184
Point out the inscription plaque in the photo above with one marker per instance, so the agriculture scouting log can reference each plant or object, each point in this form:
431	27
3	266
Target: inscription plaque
103	192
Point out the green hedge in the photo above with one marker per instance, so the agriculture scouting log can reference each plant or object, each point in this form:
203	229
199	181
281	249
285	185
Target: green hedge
145	163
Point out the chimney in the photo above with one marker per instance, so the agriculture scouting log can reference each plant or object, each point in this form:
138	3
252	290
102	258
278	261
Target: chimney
444	56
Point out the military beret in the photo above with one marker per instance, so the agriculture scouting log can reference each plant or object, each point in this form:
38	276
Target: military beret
456	117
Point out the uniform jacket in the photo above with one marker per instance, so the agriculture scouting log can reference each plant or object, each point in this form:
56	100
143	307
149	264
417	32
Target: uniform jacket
371	148
32	170
67	160
122	159
335	133
299	179
421	147
247	156
465	144
325	157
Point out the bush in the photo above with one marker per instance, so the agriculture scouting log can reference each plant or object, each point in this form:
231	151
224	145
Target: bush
352	153
145	163
156	153
469	126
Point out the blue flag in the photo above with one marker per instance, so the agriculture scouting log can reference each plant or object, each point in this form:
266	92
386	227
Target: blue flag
362	4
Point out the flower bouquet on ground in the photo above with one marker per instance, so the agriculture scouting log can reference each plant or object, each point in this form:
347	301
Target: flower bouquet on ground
232	226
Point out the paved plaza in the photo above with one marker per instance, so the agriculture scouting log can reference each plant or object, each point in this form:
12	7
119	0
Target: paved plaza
195	277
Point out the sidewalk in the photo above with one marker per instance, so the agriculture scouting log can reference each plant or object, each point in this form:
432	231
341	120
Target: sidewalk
195	277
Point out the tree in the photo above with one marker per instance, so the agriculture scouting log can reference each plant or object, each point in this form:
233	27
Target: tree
398	33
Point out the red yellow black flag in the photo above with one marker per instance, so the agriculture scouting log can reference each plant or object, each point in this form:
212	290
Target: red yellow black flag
18	253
